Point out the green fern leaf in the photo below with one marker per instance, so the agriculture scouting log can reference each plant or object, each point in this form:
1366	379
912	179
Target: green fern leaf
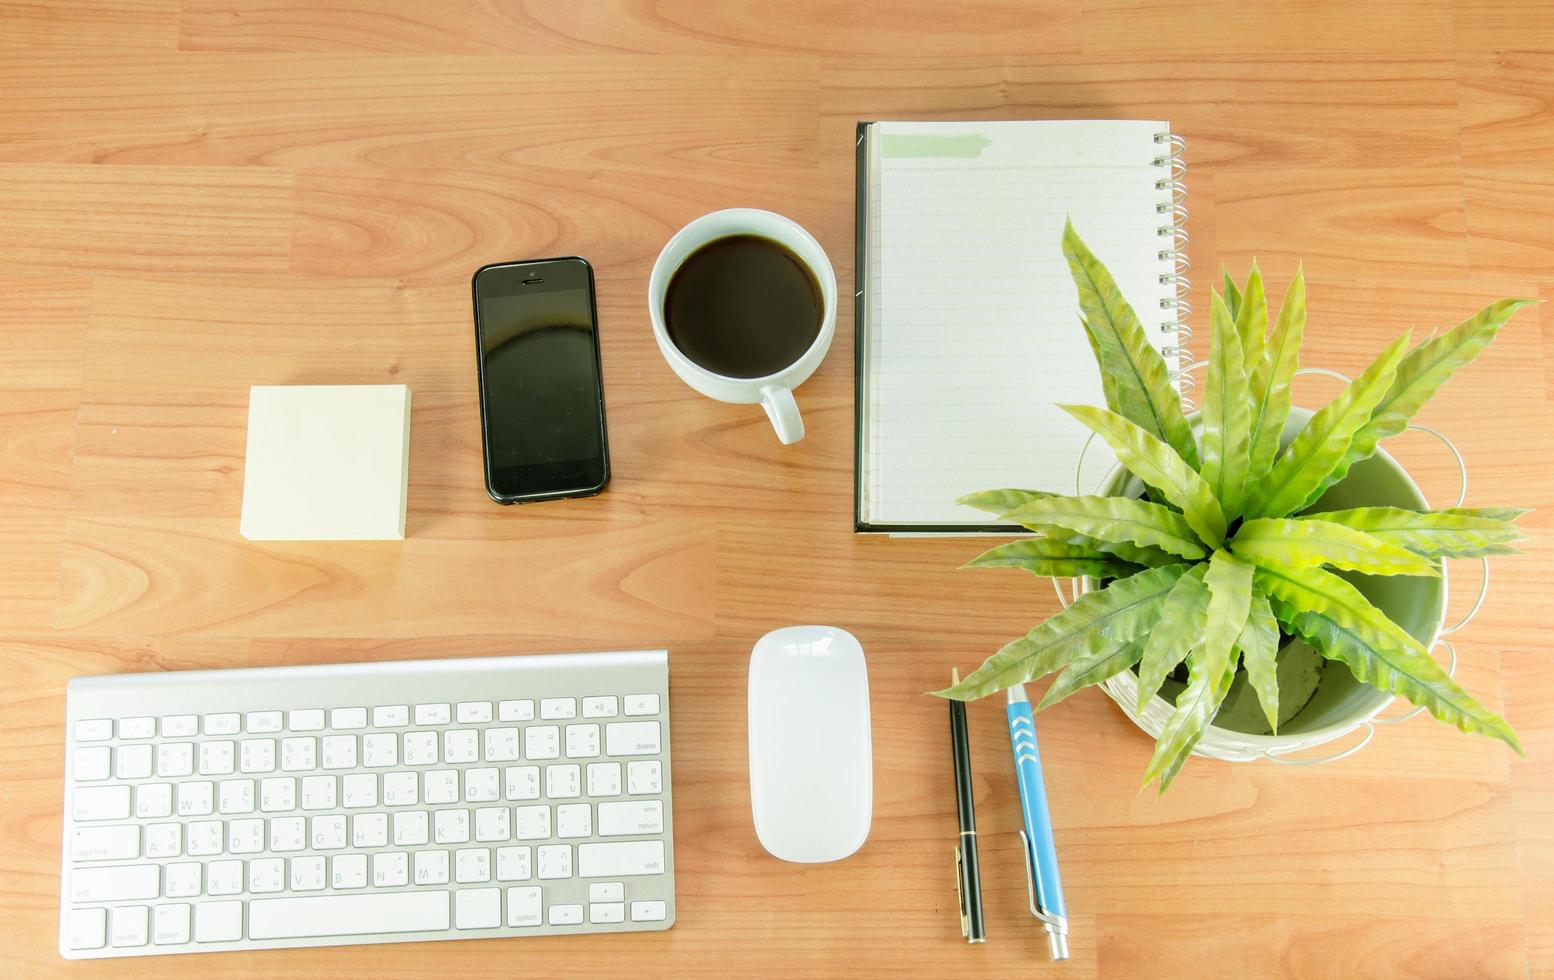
1308	543
1154	462
1179	630
1419	376
1341	624
1001	501
1097	621
1121	519
1134	376
1251	319
1259	643
1458	533
1227	414
1297	475
1270	380
1091	670
1208	681
1232	294
1045	556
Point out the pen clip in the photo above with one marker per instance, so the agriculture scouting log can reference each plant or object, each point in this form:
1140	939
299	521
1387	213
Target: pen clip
1038	909
960	897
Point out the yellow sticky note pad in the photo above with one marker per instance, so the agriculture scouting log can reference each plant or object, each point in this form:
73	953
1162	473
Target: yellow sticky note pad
326	463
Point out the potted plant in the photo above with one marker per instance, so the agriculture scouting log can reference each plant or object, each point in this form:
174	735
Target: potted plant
1215	551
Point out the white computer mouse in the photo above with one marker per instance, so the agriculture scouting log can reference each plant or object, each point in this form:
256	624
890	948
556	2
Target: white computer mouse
811	751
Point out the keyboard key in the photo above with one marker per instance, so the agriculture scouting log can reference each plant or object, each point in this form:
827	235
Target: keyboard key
411	828
170	925
348	915
531	822
450	826
553	861
358	790
180	726
474	712
257	755
542	742
226	723
266	875
93	764
606	891
554	709
133	762
647	911
305	720
563	782
278	794
565	915
515	711
471	865
328	832
236	796
125	883
631	818
574	820
421	749
262	722
620	859
440	786
299	753
217	758
307	874
604	779
480	785
288	834
380	750
641	704
523	906
644	777
478	908
493	823
183	879
600	707
196	799
521	782
391	716
582	741
433	714
89	927
133	728
245	836
101	803
501	744
348	719
401	789
218	922
349	871
94	730
369	830
632	738
175	759
390	869
607	912
115	843
431	867
154	800
339	751
512	864
163	840
460	745
204	837
318	792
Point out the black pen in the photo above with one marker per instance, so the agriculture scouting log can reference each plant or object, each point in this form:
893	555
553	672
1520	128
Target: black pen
968	879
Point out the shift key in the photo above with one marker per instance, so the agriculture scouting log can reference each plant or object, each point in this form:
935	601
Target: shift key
617	860
121	884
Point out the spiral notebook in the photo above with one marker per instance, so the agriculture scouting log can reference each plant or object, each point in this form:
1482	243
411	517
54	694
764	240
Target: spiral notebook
967	318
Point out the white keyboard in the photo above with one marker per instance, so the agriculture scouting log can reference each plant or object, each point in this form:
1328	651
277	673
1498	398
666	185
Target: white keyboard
367	803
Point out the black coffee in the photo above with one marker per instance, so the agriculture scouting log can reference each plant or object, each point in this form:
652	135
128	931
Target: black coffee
743	307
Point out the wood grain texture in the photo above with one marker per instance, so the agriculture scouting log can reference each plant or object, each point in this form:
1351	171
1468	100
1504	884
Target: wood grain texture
201	195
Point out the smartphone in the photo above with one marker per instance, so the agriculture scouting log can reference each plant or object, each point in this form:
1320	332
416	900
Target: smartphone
541	388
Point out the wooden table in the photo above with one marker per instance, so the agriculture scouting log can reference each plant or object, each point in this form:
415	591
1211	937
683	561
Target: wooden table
200	196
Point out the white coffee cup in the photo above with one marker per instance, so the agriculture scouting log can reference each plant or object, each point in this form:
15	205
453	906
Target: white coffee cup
774	392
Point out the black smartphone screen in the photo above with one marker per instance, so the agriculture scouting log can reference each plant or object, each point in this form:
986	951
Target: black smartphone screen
541	394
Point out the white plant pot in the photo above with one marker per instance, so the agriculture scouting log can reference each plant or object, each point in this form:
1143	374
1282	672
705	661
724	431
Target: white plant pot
1340	704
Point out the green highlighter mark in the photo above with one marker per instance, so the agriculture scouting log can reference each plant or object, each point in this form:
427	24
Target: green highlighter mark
967	145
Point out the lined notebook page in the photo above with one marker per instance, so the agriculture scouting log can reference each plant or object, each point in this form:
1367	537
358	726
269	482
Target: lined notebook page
972	330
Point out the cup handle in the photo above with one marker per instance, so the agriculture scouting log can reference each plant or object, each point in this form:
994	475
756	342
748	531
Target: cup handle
784	413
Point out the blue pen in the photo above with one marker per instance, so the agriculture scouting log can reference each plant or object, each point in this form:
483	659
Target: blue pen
1041	855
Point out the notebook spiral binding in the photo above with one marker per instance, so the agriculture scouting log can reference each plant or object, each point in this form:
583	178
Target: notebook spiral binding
1176	307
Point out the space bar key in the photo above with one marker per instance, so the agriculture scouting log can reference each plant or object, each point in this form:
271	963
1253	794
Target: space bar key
347	915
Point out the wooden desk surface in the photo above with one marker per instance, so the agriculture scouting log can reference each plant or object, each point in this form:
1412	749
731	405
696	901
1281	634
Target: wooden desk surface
198	196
